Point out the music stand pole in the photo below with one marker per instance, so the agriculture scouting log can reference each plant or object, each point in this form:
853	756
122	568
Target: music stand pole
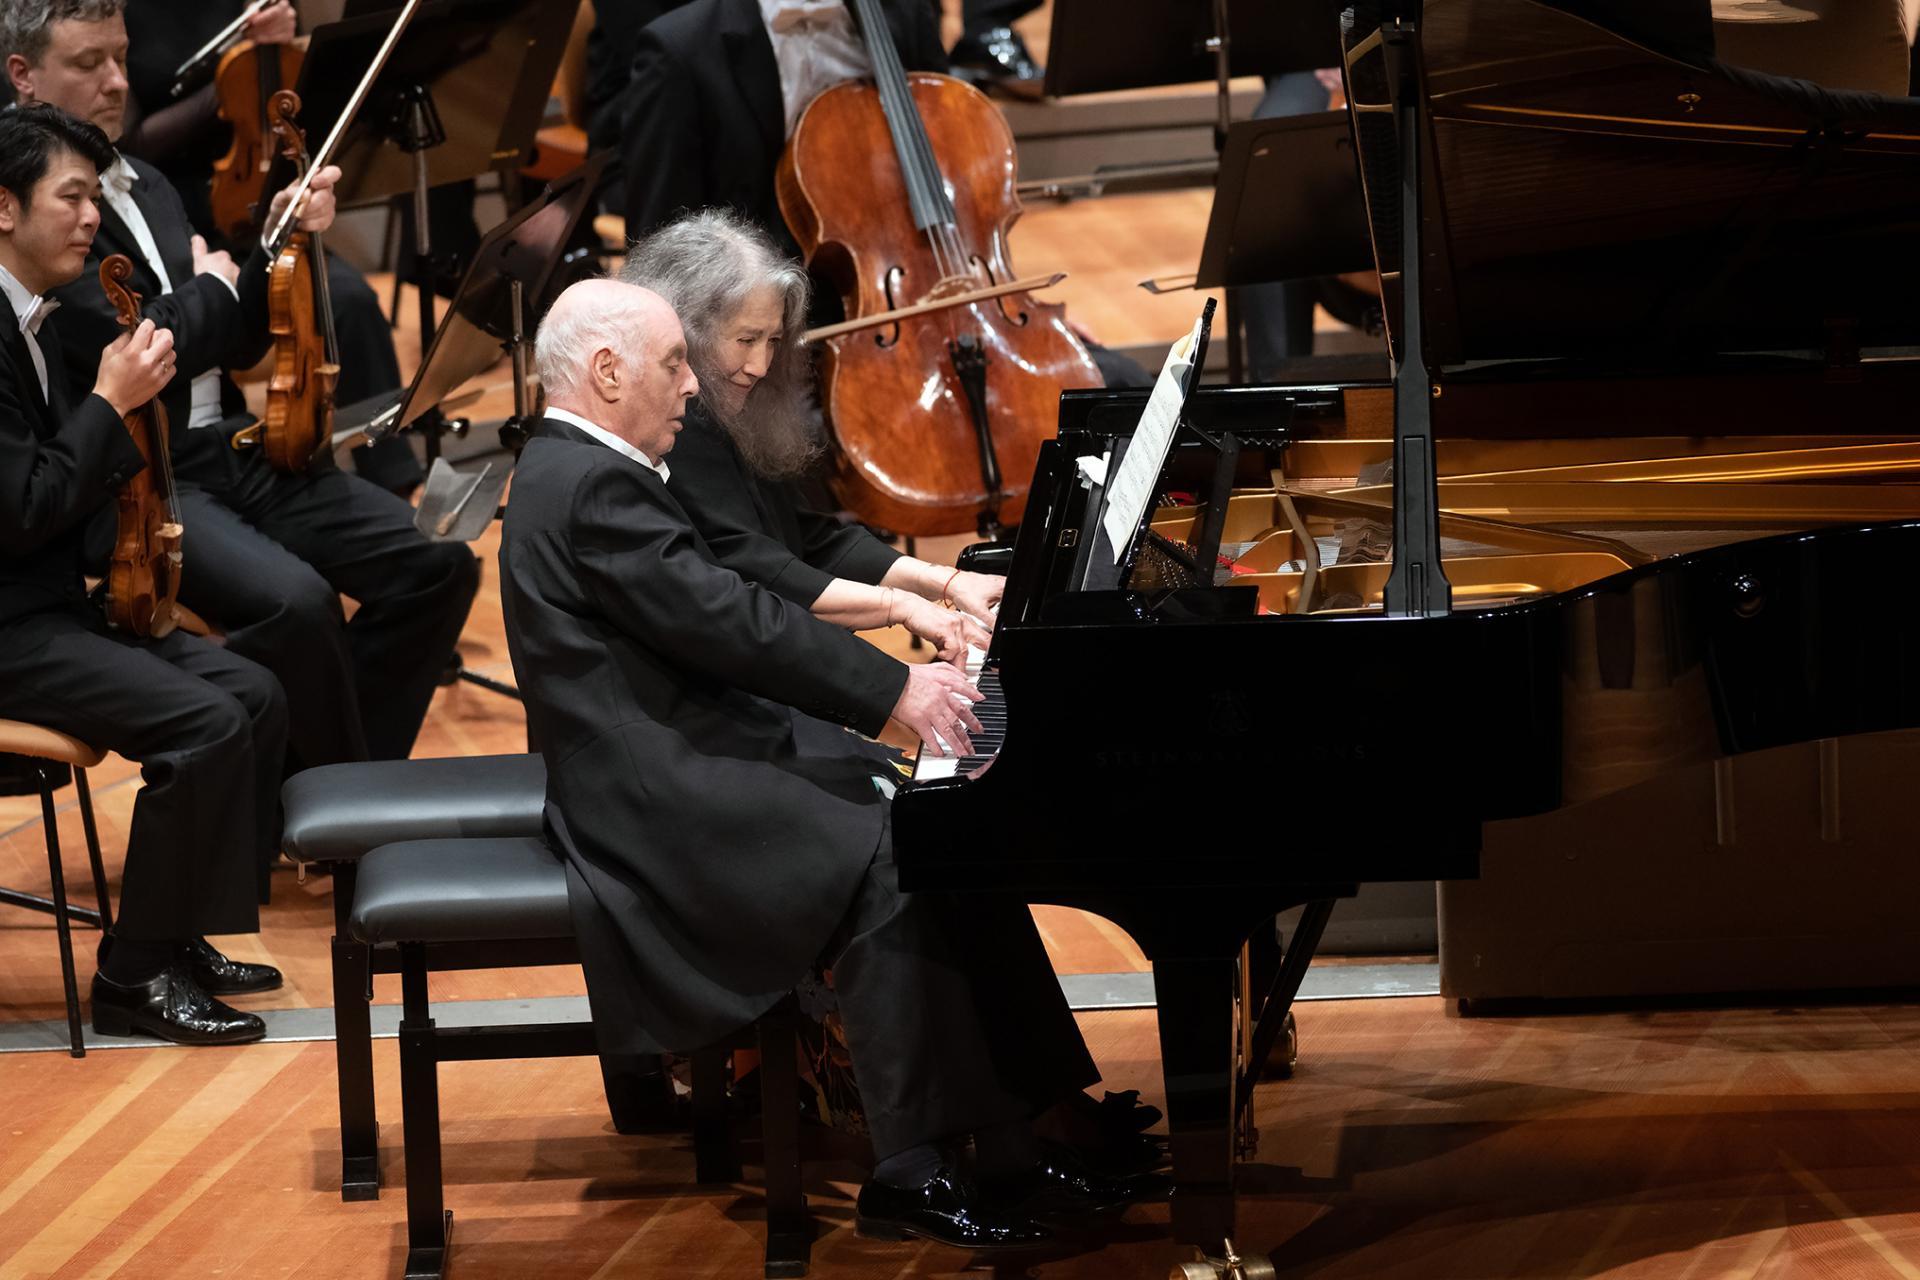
420	131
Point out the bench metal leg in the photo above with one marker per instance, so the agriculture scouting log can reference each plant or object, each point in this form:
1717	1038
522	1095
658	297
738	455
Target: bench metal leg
353	1049
716	1153
790	1227
429	1224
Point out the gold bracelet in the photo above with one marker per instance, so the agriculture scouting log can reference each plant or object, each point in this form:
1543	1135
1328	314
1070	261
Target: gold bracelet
946	599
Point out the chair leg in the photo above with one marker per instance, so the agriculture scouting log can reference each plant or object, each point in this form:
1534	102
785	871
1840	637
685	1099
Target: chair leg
65	931
716	1155
353	1049
429	1224
85	791
790	1228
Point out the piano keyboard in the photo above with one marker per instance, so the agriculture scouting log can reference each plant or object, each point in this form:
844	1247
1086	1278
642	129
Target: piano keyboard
990	711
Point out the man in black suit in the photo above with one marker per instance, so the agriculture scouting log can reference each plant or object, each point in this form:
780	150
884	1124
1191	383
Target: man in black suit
184	138
722	837
207	727
271	552
709	103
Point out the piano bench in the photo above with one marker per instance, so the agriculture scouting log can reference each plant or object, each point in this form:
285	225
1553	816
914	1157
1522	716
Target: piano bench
333	816
503	901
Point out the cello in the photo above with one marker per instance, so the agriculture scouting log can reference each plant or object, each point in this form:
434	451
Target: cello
298	425
143	577
901	193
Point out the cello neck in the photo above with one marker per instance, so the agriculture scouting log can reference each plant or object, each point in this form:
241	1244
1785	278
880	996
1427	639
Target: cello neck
926	186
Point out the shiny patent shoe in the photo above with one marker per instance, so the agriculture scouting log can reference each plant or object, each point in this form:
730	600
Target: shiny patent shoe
170	1006
1060	1184
997	60
947	1210
217	975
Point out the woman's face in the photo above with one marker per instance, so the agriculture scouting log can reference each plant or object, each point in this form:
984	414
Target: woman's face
749	341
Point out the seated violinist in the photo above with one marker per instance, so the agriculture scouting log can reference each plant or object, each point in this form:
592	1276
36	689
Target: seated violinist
752	430
207	727
184	138
270	552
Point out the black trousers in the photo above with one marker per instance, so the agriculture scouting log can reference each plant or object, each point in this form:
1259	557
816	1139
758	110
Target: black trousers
267	556
208	729
952	1012
368	367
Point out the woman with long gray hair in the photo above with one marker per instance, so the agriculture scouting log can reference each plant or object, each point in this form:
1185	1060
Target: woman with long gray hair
753	430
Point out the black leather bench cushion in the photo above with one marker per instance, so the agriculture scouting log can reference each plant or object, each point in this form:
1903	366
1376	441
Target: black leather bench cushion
336	813
505	889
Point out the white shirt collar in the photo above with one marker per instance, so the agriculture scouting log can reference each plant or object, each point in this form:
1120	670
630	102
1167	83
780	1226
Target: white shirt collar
119	177
22	303
611	440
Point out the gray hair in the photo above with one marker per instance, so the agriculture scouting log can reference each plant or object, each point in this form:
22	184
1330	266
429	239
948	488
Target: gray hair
26	26
569	335
706	265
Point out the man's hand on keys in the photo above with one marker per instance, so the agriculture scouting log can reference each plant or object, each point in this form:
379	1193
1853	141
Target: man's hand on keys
937	706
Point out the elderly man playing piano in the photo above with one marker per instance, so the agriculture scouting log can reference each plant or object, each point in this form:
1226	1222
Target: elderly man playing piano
722	837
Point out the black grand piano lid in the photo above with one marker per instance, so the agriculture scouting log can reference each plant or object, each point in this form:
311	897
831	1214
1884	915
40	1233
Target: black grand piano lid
1599	189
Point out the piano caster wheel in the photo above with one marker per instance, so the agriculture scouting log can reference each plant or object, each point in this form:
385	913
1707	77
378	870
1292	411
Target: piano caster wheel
1286	1051
1231	1266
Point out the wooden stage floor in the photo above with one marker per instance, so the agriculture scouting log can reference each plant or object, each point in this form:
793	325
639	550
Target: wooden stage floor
1683	1143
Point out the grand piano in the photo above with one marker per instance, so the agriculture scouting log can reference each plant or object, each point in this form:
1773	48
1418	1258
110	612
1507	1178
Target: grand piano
1641	492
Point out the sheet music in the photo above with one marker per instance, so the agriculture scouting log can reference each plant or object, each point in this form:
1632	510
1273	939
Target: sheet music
1129	492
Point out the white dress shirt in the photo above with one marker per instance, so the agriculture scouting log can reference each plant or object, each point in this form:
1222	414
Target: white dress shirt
116	185
611	440
816	46
29	310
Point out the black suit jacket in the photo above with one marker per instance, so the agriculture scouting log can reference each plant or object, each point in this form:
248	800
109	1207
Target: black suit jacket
701	122
713	828
210	329
759	530
59	463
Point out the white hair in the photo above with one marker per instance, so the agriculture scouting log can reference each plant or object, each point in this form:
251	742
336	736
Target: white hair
572	331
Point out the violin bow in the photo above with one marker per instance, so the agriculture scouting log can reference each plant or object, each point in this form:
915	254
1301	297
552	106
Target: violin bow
185	71
282	229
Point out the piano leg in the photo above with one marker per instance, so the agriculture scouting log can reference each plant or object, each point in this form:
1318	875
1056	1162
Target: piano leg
1195	998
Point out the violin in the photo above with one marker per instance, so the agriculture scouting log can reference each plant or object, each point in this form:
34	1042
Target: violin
143	577
298	425
248	77
937	410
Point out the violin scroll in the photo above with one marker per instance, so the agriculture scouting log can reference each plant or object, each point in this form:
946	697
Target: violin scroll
115	270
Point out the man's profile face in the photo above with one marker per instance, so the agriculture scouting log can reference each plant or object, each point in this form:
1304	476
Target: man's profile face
51	232
83	72
661	382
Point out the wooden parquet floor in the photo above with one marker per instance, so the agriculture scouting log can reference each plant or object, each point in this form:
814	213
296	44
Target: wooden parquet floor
1750	1143
1412	1143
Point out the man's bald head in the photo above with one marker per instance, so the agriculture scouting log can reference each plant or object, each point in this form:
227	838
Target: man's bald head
614	354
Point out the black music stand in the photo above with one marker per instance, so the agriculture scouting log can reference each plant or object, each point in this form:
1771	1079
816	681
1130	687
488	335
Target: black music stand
462	93
1288	206
1100	45
512	280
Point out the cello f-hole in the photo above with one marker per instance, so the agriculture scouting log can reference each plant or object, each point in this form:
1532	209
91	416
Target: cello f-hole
889	335
985	268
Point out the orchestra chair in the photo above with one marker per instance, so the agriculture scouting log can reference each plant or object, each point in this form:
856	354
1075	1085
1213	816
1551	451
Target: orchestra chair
508	897
332	817
42	759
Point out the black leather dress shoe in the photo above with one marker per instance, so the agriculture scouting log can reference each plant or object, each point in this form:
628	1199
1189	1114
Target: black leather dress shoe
947	1210
217	975
1059	1183
997	59
170	1006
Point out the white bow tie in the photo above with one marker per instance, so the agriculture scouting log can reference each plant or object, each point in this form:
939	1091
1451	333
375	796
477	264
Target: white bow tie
37	315
119	175
810	15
